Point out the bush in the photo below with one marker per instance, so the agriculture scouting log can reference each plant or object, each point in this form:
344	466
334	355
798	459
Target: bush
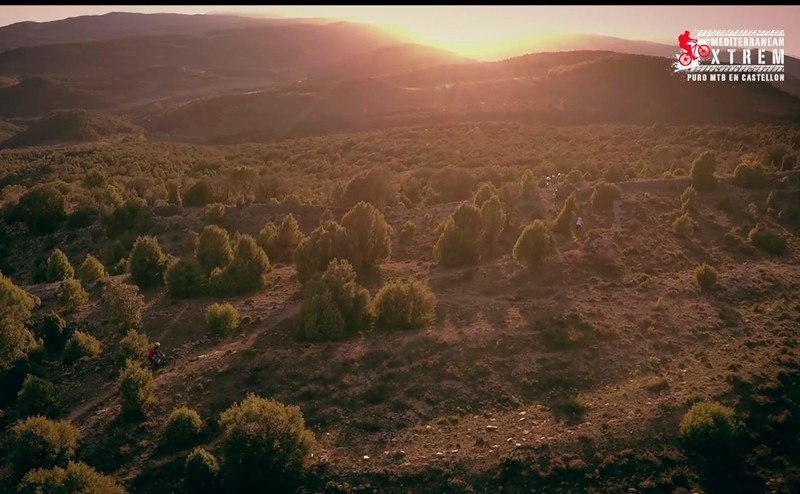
702	172
706	277
81	345
374	186
368	236
407	231
201	472
183	427
77	478
335	305
72	295
280	242
563	222
450	184
91	270
683	225
147	262
123	304
688	198
264	443
326	215
485	191
199	194
58	267
604	195
136	389
54	332
574	177
327	242
772	200
38	396
132	347
494	219
533	246
708	428
459	240
245	273
768	240
15	311
42	208
133	218
214	248
404	304
222	319
38	442
750	176
215	213
185	278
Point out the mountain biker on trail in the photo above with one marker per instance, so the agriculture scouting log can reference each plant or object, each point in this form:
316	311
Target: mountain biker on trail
684	40
154	354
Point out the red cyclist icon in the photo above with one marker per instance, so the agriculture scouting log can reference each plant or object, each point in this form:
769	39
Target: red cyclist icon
691	49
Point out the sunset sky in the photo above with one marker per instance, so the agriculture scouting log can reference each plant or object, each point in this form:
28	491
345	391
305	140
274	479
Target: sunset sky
475	31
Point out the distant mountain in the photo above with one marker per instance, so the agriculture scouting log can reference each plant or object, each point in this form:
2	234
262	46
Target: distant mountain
253	51
116	25
71	126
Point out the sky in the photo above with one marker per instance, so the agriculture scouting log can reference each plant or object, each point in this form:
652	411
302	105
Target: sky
471	29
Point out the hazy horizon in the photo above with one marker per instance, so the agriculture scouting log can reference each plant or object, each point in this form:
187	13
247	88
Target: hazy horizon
484	31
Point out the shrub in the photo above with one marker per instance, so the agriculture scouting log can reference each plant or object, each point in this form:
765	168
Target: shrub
706	277
450	184
702	172
72	295
604	195
374	186
563	222
174	194
771	200
404	304
91	270
54	332
132	347
16	341
533	246
222	319
494	219
407	231
268	239
42	208
183	427
136	389
245	273
201	472
485	191
529	185
335	305
683	225
750	176
58	267
327	242
368	236
147	262
38	442
81	345
326	215
264	443
768	240
185	278
123	304
133	217
280	242
77	478
38	396
688	198
199	194
574	177
214	248
215	213
708	427
458	242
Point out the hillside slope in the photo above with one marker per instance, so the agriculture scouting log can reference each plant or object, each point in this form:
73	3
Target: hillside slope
70	126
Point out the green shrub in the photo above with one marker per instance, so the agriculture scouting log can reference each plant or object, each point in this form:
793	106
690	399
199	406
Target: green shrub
459	241
132	347
54	332
450	184
123	304
494	220
183	427
563	222
404	304
374	186
486	191
708	428
702	172
407	231
245	273
201	473
199	194
38	396
185	278
136	389
58	267
683	225
264	443
39	442
604	195
534	245
214	248
688	198
42	208
706	277
81	345
147	262
16	341
77	478
335	305
133	217
771	200
91	270
222	319
768	240
368	235
574	177
326	215
280	242
215	213
327	242
72	295
750	176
